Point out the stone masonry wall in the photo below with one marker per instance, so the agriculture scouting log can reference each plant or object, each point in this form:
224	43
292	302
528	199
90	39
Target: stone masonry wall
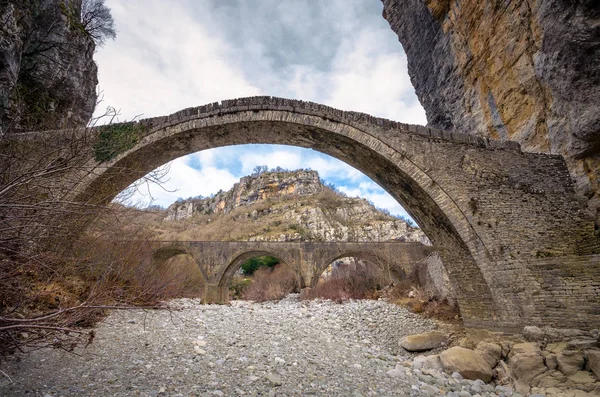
488	208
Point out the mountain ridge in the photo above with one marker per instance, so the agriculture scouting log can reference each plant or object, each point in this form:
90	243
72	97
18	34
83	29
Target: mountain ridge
281	205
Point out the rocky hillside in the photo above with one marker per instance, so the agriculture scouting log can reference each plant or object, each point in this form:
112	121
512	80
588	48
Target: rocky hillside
47	73
523	70
282	206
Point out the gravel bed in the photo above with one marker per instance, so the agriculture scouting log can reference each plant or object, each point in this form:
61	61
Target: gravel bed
288	348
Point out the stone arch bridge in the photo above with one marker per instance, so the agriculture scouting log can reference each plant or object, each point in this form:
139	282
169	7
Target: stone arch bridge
518	244
218	261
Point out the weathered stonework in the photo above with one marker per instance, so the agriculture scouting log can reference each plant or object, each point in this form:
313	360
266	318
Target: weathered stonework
218	261
499	217
520	70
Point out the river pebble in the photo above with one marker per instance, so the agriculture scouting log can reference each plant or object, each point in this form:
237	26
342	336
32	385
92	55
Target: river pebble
285	348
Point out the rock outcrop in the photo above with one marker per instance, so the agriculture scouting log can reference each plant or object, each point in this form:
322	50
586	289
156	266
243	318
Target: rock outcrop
48	76
524	71
250	189
295	206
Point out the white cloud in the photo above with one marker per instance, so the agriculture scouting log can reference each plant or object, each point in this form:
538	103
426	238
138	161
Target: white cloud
283	158
379	197
172	55
164	61
184	181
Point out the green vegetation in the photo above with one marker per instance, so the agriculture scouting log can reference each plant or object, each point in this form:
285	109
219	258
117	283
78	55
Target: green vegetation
252	264
114	139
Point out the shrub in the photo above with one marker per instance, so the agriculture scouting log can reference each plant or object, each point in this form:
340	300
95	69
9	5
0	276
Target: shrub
253	264
271	284
350	282
238	286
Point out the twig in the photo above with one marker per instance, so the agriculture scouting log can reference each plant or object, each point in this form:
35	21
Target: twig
5	374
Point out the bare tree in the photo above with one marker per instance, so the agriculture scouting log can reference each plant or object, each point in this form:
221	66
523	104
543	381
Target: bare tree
97	21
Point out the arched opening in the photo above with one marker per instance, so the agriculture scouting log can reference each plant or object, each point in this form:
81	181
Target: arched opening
355	275
176	272
355	139
265	283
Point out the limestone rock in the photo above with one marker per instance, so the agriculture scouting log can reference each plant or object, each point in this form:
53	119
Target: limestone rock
570	361
526	367
551	361
525	364
501	373
428	362
578	344
533	334
424	341
524	71
583	377
524	349
48	79
593	362
491	352
466	362
274	379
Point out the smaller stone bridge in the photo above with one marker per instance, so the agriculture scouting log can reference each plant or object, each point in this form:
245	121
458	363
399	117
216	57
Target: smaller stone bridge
220	260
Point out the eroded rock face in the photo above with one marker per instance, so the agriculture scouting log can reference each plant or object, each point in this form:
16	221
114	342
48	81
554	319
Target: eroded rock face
522	71
250	189
48	76
291	198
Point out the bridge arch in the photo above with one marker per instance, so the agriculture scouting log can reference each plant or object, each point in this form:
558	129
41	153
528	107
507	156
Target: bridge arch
461	189
370	256
238	260
163	254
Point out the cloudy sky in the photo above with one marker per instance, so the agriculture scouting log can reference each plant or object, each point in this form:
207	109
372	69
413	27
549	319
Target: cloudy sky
183	53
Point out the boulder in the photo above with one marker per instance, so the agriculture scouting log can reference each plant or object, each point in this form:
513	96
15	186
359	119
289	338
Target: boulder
527	349
593	362
583	377
556	348
424	341
526	367
491	352
570	361
501	374
525	363
549	379
466	362
533	334
428	362
551	362
579	344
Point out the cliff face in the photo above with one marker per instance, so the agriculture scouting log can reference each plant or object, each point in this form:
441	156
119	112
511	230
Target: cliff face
524	70
248	190
47	74
284	206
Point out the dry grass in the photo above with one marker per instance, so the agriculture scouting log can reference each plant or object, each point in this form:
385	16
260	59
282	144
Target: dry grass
46	298
409	294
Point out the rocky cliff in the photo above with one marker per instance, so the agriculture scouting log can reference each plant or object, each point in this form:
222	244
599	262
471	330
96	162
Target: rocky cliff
520	70
283	206
47	74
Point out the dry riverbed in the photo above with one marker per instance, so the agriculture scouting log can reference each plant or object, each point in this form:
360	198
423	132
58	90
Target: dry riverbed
284	348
